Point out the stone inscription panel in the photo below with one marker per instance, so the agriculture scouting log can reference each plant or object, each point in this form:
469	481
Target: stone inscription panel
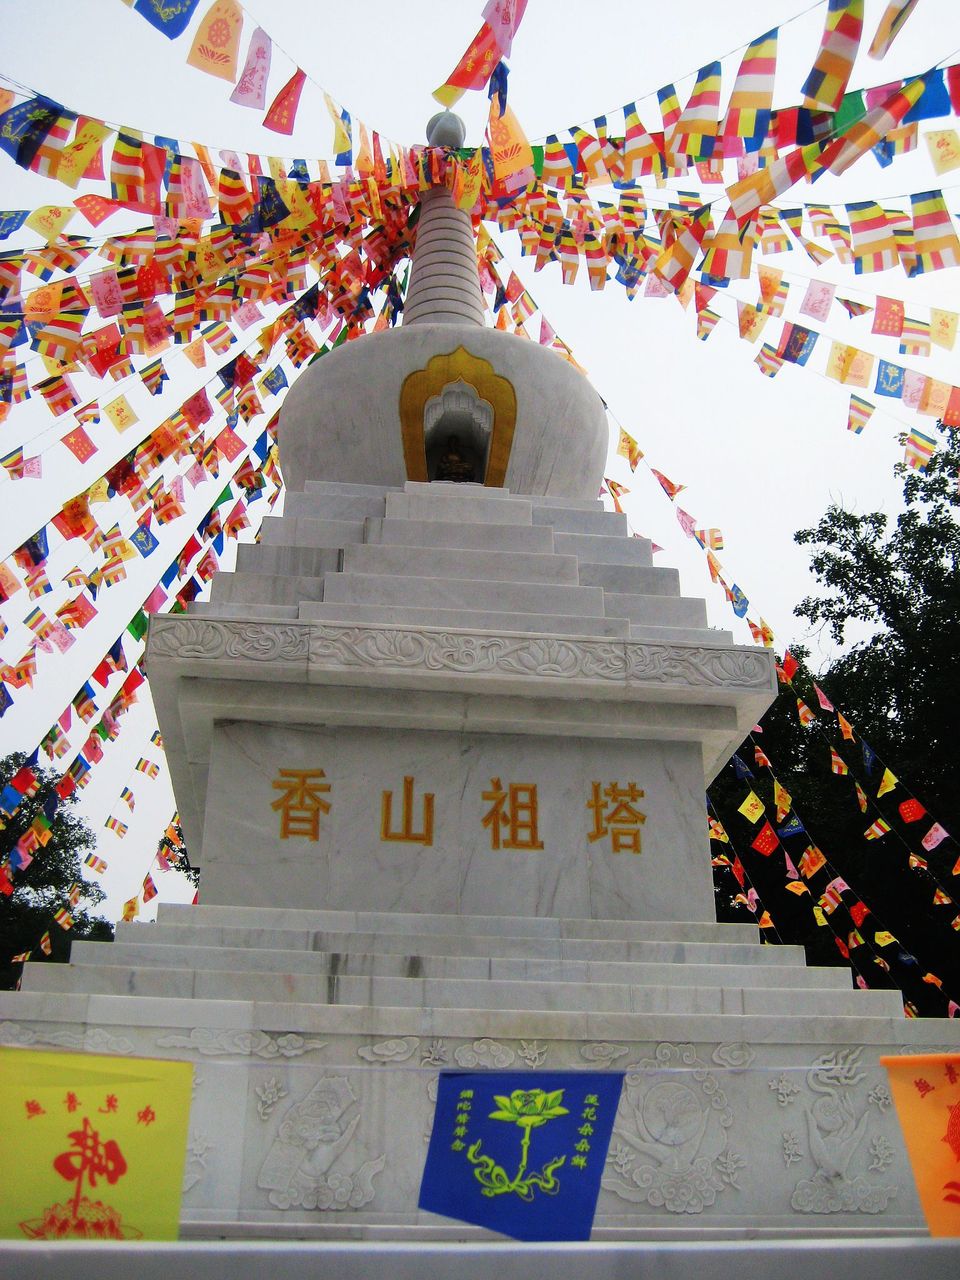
480	824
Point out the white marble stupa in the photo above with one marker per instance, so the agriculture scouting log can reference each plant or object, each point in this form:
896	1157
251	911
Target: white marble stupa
439	746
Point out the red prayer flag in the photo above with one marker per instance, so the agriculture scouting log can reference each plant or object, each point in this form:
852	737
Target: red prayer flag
282	115
766	841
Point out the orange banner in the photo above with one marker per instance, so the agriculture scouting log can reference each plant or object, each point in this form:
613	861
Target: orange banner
926	1091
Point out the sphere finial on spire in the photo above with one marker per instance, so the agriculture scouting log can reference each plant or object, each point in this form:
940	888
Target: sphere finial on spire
446	129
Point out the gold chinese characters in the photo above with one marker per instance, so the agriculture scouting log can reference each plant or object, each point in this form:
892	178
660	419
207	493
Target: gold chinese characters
511	816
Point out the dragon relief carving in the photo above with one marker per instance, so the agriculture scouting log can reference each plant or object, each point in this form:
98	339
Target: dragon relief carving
670	1143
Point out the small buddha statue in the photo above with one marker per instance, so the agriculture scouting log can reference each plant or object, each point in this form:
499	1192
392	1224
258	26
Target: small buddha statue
452	465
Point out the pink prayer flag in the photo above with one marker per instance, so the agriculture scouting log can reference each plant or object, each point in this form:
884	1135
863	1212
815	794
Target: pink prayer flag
196	198
818	299
251	90
107	295
155	600
687	522
936	835
823	699
503	17
914	385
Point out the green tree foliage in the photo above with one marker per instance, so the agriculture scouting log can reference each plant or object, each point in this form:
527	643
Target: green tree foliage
900	690
903	579
44	886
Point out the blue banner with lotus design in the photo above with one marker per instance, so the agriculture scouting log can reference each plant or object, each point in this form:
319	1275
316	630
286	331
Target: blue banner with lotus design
521	1152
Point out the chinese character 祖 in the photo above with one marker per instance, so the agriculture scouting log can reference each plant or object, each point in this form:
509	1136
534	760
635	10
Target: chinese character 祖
923	1087
623	822
579	1162
512	818
146	1116
406	834
91	1157
110	1104
301	804
34	1109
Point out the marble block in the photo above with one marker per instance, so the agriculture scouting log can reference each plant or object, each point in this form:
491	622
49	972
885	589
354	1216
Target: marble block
534	847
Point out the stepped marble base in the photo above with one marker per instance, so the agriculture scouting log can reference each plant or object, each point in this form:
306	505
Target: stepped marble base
785	1124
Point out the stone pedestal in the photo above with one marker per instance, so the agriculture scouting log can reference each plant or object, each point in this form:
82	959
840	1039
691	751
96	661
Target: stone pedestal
440	753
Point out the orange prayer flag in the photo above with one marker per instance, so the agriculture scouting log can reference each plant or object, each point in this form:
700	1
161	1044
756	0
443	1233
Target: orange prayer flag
926	1092
217	42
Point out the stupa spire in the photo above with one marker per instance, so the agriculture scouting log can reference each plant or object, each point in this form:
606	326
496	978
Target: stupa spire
444	284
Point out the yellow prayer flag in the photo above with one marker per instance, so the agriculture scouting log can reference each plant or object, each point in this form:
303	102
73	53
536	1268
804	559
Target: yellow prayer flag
752	807
849	365
628	448
846	728
820	918
120	413
99	491
934	398
75	157
98	1144
887	783
341	134
943	328
797	887
131	908
50	219
926	1093
944	148
217	41
782	799
508	143
883	938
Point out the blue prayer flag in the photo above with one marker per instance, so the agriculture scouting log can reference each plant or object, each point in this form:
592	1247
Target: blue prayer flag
171	17
521	1152
889	380
144	540
12	220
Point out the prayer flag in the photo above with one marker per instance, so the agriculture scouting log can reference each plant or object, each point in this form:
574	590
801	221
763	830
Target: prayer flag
935	242
873	244
216	44
826	84
473	70
251	90
919	449
877	830
926	1093
170	19
752	807
282	116
859	413
747	118
890	25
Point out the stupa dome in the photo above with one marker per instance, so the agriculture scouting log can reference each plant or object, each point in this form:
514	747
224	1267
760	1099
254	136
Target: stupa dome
442	396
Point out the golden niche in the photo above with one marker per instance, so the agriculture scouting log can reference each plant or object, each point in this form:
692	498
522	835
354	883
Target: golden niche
457	420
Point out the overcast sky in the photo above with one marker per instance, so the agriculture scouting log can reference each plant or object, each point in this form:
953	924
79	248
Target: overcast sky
760	458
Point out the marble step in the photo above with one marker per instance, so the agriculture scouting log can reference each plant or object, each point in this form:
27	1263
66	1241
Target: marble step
354	490
310	562
263	588
635	579
657	611
704	635
358	963
454	993
334	506
471	504
466	619
481	565
462	593
565	520
676	954
598	548
424	922
244	612
433	487
305	531
450	534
